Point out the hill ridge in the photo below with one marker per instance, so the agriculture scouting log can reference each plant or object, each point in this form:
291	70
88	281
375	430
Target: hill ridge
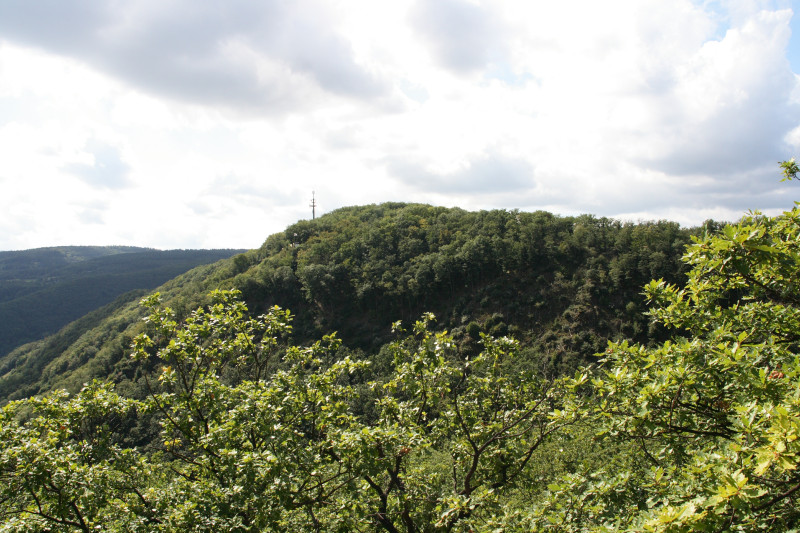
43	289
563	285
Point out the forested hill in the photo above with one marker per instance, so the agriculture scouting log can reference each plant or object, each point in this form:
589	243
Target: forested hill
21	270
43	289
562	285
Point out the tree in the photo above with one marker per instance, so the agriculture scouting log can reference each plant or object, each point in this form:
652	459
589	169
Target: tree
715	411
62	467
250	446
449	434
453	436
257	434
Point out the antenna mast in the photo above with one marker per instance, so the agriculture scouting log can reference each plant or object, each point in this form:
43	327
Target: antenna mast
313	206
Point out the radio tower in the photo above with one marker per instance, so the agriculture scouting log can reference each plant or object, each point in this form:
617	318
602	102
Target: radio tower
313	206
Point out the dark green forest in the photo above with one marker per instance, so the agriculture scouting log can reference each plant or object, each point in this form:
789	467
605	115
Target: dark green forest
563	286
402	367
44	289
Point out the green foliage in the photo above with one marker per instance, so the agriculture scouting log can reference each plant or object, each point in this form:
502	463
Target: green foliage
716	410
453	435
790	169
242	448
28	370
563	286
439	432
62	469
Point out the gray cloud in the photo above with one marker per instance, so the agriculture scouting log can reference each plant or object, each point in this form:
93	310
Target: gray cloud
733	142
243	192
492	174
90	212
246	55
759	188
682	196
91	216
109	171
463	37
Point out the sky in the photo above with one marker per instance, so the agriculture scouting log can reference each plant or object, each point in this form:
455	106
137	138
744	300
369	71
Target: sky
185	124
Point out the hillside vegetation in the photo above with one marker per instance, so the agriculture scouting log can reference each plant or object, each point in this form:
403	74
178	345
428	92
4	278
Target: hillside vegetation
220	420
43	289
563	286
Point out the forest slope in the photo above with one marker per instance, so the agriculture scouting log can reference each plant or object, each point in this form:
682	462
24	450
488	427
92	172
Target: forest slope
43	289
563	286
218	420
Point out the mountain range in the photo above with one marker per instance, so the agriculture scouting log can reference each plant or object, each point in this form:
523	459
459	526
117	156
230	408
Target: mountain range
44	289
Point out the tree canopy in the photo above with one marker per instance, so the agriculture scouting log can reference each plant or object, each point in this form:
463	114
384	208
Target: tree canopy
242	429
713	412
562	286
432	447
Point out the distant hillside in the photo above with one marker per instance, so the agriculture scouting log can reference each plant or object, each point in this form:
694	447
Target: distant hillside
42	290
563	286
24	271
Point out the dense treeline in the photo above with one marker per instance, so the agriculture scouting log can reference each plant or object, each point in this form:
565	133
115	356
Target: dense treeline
533	271
251	431
562	285
36	265
44	289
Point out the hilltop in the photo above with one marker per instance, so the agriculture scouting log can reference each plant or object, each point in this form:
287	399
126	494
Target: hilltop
220	411
563	286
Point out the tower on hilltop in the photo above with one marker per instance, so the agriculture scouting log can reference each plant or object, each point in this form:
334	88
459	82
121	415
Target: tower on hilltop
313	206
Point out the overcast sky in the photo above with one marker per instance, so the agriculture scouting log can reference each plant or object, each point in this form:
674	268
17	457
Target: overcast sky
186	124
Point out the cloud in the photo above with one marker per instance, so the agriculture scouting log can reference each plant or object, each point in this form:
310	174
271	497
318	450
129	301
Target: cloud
463	36
107	169
92	213
731	104
265	57
490	174
244	191
217	119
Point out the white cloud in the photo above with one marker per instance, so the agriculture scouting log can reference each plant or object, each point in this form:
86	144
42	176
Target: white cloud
463	36
106	168
263	58
731	104
175	124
